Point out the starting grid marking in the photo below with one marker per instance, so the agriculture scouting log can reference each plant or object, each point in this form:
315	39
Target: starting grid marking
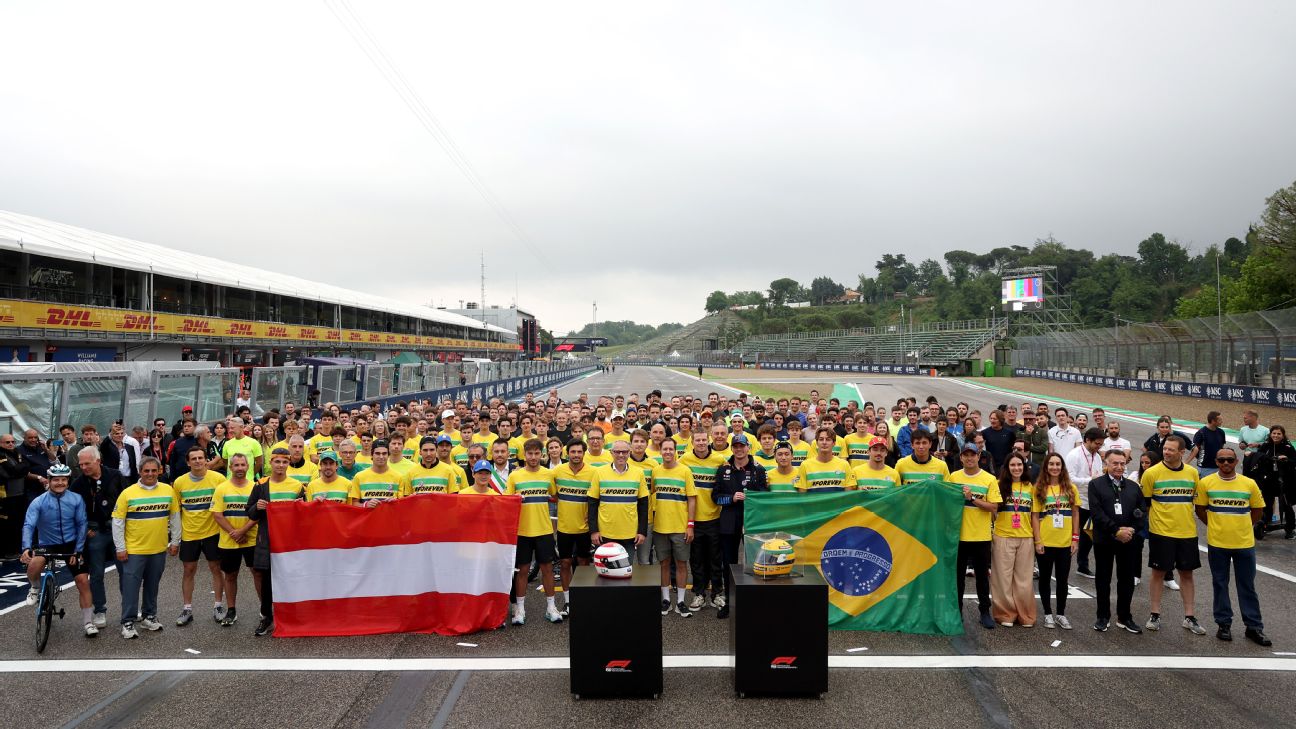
558	663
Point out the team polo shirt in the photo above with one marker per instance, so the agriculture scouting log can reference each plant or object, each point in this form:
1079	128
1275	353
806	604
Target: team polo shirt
148	515
1058	500
339	490
1172	493
386	485
683	442
573	498
610	438
765	461
195	505
784	482
704	476
518	452
535	488
801	451
230	501
672	487
1021	502
305	473
285	490
317	444
976	522
868	478
439	479
1228	510
485	440
604	458
618	495
820	477
456	439
912	472
857	447
245	445
459	455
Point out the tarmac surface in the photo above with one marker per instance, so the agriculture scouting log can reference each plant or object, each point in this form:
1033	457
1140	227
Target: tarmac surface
205	675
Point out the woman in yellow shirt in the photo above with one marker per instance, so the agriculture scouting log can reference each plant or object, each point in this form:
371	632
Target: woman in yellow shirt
1012	589
1055	520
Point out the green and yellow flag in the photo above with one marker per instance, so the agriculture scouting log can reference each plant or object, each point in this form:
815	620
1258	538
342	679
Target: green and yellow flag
888	556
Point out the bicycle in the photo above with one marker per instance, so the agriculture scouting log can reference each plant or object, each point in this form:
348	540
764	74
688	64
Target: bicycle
48	596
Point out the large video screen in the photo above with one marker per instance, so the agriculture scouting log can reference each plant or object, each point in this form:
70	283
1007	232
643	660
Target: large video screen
1023	293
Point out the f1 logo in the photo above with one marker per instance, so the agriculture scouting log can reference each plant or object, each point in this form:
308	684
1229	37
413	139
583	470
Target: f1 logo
783	662
617	667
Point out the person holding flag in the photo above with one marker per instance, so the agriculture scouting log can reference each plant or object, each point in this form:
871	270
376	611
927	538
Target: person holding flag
980	502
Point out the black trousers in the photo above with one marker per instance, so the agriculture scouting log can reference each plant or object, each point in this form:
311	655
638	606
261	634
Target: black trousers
15	510
1086	544
267	596
729	545
1056	561
705	559
1128	560
976	554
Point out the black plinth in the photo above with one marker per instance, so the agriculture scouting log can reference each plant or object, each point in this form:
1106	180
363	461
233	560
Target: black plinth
778	632
615	634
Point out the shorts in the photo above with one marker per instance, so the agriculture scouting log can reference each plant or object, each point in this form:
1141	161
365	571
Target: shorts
574	546
541	547
1170	553
230	558
671	546
208	547
81	567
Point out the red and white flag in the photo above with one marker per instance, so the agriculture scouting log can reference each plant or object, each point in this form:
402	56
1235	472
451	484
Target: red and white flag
431	563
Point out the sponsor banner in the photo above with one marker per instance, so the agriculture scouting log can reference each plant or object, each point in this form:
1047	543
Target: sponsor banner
1246	394
83	354
89	318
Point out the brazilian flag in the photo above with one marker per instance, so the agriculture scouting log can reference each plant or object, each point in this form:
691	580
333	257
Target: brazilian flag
888	556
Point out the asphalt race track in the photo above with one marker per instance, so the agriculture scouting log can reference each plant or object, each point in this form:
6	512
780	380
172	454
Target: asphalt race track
204	675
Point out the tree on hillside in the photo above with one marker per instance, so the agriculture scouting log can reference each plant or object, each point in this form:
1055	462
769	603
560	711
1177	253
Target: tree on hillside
717	301
929	274
783	290
823	288
1277	227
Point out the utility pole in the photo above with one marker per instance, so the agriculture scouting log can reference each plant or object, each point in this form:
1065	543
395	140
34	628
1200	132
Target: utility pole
483	287
1219	317
595	322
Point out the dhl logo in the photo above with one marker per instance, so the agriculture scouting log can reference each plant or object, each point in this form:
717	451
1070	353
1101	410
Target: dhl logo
307	333
355	336
137	322
374	337
196	326
240	329
405	339
277	332
57	317
391	338
333	335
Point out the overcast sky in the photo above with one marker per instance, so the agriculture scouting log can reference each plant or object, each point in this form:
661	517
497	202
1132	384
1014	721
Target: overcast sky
649	153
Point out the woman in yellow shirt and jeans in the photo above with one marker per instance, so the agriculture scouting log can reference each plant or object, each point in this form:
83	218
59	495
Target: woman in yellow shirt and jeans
1055	520
1012	588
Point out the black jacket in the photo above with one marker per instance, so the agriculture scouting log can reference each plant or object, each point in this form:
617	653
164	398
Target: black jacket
1271	472
100	495
13	472
261	550
112	459
1102	508
731	479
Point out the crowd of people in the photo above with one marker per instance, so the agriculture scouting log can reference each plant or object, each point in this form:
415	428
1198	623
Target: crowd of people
1044	490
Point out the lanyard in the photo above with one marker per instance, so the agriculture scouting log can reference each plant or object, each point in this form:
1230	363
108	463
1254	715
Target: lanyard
1057	500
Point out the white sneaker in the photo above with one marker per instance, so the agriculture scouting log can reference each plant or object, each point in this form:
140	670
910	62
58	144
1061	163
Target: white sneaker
698	603
1063	623
552	615
1049	622
683	610
1172	585
718	602
150	623
90	630
100	620
519	616
32	596
128	631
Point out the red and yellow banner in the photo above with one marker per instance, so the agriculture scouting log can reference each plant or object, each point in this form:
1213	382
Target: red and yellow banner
34	315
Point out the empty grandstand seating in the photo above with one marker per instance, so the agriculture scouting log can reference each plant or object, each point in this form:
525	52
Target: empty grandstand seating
938	343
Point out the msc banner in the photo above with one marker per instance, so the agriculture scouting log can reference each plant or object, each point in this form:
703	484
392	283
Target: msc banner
888	556
1230	393
870	369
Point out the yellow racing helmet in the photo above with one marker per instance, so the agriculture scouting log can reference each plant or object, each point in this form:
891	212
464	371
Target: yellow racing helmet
776	557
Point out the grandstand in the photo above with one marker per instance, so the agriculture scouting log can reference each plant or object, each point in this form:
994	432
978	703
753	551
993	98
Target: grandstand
932	344
704	335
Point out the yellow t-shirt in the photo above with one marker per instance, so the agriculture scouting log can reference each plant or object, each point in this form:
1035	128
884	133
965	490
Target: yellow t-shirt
517	451
230	501
1172	494
470	492
819	477
1020	504
459	455
869	479
647	465
285	490
683	442
610	438
317	444
1228	510
386	485
573	498
535	488
485	440
604	458
704	476
857	447
1057	501
801	450
195	505
439	479
673	487
148	515
618	496
765	460
340	490
839	448
404	466
976	522
456	438
912	472
785	482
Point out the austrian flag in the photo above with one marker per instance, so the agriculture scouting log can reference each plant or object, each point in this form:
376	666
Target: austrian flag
429	563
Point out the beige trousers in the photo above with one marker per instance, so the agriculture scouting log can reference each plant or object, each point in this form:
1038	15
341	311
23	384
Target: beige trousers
1012	591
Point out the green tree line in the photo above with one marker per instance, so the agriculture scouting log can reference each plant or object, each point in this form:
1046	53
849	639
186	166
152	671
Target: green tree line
625	332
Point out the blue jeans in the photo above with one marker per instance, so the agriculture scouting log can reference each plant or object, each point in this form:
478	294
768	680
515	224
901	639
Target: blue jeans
1243	562
140	570
99	552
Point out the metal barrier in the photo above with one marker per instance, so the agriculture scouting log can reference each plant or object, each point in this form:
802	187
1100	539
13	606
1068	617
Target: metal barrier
274	386
211	393
46	400
506	389
1229	393
870	369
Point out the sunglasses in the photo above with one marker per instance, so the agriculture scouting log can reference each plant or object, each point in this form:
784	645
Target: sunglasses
1226	460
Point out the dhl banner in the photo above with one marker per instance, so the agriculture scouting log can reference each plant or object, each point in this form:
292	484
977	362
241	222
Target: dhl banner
36	315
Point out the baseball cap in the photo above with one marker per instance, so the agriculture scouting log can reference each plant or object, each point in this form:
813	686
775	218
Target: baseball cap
878	441
481	466
443	439
740	439
328	456
970	446
736	414
187	409
447	414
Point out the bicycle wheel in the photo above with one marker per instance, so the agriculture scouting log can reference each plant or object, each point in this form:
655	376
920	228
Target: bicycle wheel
44	613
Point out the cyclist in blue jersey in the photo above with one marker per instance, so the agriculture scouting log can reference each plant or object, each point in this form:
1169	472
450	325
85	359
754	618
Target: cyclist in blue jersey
56	522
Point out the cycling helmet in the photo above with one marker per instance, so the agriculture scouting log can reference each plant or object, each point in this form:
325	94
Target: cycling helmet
776	558
59	470
611	560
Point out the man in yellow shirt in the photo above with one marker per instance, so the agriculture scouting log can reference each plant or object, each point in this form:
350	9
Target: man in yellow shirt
1230	505
572	480
675	505
801	450
379	482
596	456
431	475
704	464
299	469
535	485
237	533
767	441
396	459
825	472
323	438
445	450
619	496
330	486
981	500
858	442
920	465
618	433
874	473
146	528
1172	531
198	532
784	477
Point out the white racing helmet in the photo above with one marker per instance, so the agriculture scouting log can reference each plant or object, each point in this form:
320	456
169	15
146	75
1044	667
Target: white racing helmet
612	560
